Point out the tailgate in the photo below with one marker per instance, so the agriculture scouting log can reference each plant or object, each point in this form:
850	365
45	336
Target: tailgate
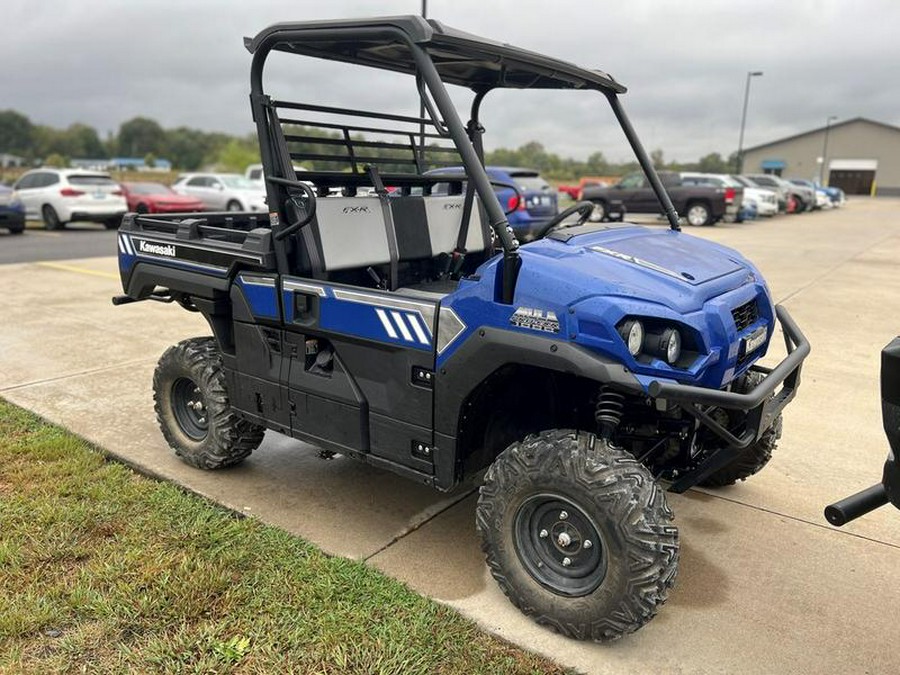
193	255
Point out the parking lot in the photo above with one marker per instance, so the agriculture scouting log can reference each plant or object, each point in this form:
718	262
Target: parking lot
765	584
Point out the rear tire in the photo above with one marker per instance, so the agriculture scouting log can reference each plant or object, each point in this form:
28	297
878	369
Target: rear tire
543	500
16	229
193	409
51	218
233	205
699	215
112	223
599	214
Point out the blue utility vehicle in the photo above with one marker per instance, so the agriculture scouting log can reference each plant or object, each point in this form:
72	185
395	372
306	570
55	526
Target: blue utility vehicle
381	319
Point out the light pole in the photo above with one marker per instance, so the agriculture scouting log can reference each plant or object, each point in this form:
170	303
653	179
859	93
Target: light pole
740	157
828	122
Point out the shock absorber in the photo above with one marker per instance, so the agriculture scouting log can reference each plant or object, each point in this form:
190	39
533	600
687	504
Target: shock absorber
609	410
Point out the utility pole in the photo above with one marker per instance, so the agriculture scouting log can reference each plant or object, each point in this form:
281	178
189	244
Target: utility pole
740	157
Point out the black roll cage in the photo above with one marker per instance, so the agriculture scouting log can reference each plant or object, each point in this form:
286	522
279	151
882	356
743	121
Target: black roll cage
491	66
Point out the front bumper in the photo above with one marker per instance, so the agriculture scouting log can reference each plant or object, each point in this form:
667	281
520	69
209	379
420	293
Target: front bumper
11	218
763	404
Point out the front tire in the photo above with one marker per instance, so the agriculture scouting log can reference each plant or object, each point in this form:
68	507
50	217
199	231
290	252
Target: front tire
193	409
577	534
233	205
753	458
51	218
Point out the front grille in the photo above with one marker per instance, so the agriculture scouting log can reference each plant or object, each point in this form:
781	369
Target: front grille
745	315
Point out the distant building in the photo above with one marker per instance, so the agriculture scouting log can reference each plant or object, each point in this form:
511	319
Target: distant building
8	161
121	164
862	157
90	164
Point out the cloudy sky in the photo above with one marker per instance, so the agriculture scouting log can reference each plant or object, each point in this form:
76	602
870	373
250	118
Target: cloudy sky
182	62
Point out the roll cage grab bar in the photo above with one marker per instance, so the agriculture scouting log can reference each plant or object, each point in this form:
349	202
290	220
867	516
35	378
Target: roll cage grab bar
467	140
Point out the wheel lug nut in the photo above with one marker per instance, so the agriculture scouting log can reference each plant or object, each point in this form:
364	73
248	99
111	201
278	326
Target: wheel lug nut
567	562
563	515
587	543
543	534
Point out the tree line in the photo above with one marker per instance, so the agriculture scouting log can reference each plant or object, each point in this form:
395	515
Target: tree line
190	149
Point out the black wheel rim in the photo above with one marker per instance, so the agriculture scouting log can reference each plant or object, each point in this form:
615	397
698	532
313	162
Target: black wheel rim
189	407
560	545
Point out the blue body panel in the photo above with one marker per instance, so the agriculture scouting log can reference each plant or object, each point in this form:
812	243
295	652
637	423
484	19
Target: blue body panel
261	295
595	280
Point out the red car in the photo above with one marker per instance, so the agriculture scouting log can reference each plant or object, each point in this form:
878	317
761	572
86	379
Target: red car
158	198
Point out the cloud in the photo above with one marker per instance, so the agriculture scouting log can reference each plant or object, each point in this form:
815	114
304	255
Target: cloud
183	63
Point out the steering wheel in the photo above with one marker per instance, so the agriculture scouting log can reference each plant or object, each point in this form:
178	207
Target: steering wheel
584	208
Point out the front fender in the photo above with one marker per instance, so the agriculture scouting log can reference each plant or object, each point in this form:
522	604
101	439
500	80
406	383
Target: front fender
488	349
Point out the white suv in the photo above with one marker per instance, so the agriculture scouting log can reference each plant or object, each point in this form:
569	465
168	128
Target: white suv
223	191
59	196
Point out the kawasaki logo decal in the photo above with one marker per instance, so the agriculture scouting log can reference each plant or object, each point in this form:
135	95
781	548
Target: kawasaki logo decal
167	250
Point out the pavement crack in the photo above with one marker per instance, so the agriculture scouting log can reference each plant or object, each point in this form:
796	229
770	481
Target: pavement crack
428	515
798	519
88	371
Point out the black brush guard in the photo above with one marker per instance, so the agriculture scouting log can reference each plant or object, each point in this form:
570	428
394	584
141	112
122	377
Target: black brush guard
763	403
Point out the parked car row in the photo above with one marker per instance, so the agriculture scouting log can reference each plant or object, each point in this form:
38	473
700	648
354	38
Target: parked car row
61	196
705	199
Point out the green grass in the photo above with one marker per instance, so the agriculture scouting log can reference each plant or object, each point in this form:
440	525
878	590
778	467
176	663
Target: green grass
103	570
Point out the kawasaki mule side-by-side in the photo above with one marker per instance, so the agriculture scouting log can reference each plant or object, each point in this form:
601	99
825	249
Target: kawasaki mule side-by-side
385	311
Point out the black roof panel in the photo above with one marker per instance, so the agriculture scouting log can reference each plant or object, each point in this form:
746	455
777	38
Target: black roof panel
461	58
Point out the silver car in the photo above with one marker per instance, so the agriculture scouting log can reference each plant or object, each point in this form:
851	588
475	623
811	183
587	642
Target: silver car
223	191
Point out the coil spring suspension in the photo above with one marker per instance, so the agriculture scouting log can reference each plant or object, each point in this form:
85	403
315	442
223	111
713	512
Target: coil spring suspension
609	410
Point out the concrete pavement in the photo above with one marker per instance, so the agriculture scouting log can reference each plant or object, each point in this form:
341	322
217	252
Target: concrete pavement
765	585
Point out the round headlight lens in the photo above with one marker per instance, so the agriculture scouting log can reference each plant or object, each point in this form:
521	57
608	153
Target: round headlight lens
672	340
632	332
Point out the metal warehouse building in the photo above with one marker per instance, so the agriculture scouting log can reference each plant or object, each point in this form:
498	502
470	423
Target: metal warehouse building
861	156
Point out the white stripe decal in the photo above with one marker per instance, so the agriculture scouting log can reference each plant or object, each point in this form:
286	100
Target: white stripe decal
417	327
121	245
386	323
128	245
401	324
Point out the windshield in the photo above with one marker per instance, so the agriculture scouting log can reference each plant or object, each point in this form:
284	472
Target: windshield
239	183
149	188
530	182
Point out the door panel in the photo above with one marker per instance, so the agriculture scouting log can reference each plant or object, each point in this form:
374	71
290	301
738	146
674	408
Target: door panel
373	345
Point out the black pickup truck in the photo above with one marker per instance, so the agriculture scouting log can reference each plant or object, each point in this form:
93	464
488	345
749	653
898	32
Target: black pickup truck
700	205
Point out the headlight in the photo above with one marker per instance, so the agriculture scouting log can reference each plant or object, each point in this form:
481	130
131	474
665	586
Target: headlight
632	331
673	345
664	344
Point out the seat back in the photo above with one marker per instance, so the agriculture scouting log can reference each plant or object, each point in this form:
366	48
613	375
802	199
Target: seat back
351	232
444	215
